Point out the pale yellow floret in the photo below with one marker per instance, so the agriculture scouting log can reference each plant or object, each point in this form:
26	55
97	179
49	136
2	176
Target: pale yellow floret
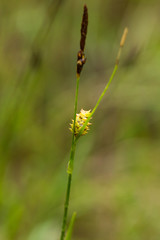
80	121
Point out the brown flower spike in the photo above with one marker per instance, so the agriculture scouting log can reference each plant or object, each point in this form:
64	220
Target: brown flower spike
84	28
81	56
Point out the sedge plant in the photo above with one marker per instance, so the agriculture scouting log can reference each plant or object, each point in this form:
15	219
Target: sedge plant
81	121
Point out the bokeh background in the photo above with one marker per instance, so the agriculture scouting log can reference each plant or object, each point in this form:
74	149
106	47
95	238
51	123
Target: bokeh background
116	180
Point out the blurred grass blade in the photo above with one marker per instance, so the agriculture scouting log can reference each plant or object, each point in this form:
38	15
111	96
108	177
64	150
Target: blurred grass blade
70	228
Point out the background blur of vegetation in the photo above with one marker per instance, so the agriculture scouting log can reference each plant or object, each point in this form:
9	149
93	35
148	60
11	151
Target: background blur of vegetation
116	187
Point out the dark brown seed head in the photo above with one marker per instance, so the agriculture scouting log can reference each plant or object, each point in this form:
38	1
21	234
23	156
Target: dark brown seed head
80	62
81	56
84	28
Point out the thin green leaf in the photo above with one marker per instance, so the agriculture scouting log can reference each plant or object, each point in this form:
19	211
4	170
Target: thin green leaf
70	228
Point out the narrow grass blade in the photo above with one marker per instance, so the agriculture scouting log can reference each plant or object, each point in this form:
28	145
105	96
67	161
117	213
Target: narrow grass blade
70	228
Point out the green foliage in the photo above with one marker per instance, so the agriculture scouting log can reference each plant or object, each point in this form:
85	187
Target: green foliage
70	228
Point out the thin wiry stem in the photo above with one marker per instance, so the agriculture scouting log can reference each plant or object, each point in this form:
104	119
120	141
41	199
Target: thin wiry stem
80	62
108	84
98	102
70	168
70	164
74	139
66	206
72	153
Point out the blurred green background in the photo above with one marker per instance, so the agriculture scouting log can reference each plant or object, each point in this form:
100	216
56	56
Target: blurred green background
116	180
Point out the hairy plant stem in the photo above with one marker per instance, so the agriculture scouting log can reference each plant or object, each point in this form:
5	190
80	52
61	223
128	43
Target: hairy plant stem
70	168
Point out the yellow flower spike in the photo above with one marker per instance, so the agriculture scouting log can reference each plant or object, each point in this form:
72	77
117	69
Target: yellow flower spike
80	121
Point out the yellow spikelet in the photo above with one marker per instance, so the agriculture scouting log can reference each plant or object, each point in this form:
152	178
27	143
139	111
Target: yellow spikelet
80	121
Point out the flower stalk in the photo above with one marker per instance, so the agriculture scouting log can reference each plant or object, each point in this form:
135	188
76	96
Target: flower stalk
80	123
70	168
80	62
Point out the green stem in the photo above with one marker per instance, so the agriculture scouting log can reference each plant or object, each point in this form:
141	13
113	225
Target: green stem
70	168
66	205
70	164
74	139
104	91
98	102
